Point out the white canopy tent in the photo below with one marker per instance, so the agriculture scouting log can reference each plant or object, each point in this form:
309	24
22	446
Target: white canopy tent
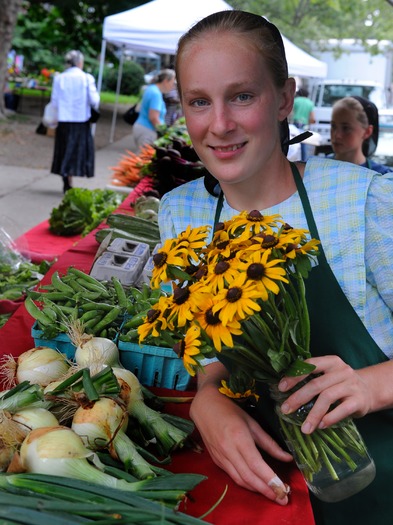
158	25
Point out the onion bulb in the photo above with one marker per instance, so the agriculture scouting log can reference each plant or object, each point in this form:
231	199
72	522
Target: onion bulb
60	451
31	418
168	436
40	365
103	425
96	352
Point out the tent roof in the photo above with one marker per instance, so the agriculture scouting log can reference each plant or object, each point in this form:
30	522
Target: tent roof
158	25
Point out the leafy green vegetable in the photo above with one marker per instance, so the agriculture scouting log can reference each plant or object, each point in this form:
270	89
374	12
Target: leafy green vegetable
82	210
16	280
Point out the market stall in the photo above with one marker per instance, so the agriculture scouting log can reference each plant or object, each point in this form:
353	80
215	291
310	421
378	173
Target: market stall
238	506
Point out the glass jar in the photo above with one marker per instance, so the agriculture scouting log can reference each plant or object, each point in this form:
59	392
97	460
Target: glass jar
334	461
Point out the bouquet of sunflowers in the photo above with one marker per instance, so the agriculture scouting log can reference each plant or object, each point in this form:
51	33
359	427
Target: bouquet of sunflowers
241	297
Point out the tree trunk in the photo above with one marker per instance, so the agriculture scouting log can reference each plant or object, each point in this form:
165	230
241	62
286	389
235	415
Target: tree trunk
8	14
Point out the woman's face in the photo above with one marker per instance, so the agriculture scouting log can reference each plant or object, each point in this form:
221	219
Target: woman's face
347	134
232	107
169	84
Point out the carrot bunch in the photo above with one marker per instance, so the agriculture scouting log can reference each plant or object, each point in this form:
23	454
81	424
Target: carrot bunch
132	167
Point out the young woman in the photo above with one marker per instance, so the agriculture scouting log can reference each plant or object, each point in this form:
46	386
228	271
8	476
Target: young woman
74	93
236	95
354	132
153	108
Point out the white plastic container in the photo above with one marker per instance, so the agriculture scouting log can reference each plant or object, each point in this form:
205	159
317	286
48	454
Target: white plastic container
127	268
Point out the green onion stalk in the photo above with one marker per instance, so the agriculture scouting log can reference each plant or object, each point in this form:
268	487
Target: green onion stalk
167	435
102	425
39	499
60	451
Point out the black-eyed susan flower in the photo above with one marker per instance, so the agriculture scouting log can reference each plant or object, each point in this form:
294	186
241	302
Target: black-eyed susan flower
227	391
264	272
215	329
238	300
171	254
308	248
188	348
194	239
155	320
185	301
251	223
220	273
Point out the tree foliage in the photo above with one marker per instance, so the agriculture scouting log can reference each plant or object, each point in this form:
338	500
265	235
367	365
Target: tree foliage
304	21
45	31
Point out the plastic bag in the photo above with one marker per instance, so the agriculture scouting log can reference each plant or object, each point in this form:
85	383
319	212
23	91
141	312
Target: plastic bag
49	118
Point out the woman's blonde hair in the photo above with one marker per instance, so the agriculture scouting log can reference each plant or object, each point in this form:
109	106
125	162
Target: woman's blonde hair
262	33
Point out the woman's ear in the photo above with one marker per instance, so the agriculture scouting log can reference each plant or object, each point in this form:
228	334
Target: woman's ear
368	131
287	98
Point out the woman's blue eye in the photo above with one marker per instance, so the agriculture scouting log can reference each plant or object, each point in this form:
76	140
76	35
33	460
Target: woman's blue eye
199	103
243	97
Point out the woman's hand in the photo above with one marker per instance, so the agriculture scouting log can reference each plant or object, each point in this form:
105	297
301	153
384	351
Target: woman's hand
354	393
232	436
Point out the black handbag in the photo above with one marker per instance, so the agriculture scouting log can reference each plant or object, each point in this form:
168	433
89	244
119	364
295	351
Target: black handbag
131	115
94	115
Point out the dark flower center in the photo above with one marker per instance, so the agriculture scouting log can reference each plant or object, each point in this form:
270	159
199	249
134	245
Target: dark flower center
254	216
211	318
180	295
255	271
234	294
290	247
268	241
287	227
219	227
222	245
202	271
191	269
221	267
159	259
153	315
179	348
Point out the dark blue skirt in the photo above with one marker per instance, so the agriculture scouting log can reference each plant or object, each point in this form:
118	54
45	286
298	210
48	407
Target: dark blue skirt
74	150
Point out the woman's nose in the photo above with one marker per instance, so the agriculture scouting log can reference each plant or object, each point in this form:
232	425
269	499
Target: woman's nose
221	121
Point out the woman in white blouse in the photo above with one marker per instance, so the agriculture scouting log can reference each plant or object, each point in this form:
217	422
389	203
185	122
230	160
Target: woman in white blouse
74	93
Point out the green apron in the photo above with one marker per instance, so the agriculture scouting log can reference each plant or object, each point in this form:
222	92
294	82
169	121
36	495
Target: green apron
337	329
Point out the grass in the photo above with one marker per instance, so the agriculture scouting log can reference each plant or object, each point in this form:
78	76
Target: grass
105	96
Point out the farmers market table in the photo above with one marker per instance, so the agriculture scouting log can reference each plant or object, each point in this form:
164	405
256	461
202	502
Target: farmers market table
239	506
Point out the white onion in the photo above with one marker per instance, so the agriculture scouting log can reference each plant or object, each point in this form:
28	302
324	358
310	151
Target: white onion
41	365
96	352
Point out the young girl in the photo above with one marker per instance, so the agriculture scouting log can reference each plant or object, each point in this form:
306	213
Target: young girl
236	95
354	132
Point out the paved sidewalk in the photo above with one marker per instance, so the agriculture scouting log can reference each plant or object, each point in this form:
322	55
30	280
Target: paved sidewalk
27	196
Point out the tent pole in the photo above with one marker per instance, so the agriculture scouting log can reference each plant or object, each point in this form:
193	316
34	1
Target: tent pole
120	74
100	75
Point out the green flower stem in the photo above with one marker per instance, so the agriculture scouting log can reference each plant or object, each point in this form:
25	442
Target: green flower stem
322	447
303	313
245	356
329	466
300	449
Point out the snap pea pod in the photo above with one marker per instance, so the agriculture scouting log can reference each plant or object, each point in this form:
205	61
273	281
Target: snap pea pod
108	319
37	313
59	284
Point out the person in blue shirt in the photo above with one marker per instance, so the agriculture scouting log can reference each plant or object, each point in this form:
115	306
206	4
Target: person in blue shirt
153	108
354	132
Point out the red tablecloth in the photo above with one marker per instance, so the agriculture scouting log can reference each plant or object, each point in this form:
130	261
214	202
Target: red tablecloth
39	244
239	506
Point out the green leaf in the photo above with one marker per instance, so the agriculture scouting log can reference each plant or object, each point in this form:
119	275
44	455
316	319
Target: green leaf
299	368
